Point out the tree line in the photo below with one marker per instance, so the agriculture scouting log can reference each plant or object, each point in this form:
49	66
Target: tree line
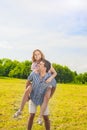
16	69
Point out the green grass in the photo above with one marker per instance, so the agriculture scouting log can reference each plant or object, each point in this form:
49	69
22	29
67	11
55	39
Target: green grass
68	107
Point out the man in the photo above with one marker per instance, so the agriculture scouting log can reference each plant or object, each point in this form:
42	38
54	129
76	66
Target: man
39	89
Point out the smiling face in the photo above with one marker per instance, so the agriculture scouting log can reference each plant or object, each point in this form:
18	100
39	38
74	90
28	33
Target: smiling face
44	65
41	66
37	55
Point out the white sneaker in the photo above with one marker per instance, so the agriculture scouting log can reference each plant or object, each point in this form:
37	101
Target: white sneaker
39	121
17	114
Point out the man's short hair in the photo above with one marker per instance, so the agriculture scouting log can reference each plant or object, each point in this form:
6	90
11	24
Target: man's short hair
47	64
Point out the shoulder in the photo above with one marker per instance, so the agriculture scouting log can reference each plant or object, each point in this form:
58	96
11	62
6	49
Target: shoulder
31	74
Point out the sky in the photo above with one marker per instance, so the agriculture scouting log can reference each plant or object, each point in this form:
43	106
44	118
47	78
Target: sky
57	27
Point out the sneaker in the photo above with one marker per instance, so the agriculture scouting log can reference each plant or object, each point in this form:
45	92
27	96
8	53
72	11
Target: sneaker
17	114
39	121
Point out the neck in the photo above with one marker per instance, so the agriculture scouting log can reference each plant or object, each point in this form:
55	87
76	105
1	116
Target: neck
42	73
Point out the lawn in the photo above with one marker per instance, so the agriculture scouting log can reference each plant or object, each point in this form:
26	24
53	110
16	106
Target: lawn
68	107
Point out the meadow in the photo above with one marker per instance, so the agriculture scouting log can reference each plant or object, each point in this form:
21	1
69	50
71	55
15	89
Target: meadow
68	106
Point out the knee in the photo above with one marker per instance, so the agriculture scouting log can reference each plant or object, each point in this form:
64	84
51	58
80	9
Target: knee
31	116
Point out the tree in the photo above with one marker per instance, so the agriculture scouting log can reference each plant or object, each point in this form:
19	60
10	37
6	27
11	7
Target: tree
7	66
68	75
1	70
22	70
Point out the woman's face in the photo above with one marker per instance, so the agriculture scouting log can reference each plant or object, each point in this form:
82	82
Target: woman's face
37	55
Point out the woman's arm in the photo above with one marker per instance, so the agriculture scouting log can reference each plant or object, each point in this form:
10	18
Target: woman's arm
54	74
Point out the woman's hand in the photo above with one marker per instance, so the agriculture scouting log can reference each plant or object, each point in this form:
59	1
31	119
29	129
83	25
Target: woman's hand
49	79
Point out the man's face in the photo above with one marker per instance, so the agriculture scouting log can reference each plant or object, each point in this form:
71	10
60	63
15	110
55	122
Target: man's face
41	66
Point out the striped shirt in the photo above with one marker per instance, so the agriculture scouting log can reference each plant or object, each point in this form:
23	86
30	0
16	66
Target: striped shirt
39	86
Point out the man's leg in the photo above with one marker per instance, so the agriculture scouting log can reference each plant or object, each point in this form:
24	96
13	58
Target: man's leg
32	111
30	121
47	122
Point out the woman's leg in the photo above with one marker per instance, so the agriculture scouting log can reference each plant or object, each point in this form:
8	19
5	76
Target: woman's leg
44	104
24	100
52	91
25	97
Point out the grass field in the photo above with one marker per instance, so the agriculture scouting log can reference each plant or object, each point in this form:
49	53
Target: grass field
68	107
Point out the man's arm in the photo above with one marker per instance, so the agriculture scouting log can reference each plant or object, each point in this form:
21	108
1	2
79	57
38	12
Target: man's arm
30	79
28	83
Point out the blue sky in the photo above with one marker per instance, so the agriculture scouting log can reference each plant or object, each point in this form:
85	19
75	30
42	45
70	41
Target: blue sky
58	28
